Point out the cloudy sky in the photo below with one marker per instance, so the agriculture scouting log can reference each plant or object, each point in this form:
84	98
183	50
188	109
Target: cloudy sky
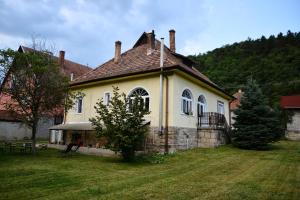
87	30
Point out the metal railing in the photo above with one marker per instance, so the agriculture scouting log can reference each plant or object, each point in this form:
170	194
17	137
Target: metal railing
214	120
211	120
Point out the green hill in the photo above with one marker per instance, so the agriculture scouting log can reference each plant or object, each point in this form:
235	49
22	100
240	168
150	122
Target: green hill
274	62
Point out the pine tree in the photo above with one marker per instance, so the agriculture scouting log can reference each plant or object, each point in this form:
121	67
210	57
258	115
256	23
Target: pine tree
256	123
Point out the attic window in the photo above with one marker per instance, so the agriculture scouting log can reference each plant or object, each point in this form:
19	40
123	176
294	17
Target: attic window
71	76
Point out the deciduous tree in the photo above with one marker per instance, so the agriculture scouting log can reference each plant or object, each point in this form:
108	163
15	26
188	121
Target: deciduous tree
122	123
37	86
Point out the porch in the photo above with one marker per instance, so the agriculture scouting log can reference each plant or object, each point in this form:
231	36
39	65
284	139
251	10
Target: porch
212	120
213	130
82	134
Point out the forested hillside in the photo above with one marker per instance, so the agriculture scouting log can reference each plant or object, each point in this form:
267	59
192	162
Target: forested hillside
274	62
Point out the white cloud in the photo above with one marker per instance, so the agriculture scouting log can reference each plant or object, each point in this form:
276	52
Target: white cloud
8	41
87	29
198	44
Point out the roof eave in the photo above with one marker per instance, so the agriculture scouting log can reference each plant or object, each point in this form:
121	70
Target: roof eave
154	70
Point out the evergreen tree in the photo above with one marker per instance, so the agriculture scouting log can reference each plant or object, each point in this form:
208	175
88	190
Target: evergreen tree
256	123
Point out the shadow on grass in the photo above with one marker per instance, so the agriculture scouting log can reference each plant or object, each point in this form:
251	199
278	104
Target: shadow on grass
269	147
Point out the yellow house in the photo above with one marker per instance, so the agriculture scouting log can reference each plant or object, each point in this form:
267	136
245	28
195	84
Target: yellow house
187	109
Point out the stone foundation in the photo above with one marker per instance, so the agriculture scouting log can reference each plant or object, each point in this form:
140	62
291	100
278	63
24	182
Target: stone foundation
184	138
210	138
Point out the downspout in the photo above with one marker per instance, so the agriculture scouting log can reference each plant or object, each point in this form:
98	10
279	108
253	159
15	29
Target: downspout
161	86
167	116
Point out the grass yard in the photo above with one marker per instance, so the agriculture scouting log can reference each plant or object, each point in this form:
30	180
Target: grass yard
222	173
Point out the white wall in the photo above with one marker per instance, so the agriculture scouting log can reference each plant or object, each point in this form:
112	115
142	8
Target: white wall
95	92
190	121
295	124
177	84
12	130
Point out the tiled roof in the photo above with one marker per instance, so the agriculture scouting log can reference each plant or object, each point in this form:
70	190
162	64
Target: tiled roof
237	101
6	115
290	101
139	59
69	66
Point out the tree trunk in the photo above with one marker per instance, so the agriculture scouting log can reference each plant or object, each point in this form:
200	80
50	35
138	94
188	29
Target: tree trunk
33	137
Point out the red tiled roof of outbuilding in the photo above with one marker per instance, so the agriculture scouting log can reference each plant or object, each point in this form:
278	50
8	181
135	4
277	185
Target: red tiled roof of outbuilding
290	101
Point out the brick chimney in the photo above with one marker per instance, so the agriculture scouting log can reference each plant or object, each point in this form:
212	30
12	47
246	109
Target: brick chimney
61	58
172	40
151	42
117	51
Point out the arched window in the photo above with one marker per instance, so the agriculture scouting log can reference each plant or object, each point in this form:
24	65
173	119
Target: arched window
186	102
140	92
201	105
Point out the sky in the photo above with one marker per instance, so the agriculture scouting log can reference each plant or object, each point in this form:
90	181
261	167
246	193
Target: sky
87	29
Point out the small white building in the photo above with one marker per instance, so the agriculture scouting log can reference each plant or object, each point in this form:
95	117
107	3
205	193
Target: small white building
292	103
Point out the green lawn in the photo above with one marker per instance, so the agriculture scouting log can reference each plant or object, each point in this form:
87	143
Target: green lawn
222	173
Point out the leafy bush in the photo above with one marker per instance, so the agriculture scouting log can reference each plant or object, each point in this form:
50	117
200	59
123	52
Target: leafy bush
122	123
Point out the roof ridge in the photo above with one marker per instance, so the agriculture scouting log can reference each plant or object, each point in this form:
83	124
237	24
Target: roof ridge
22	46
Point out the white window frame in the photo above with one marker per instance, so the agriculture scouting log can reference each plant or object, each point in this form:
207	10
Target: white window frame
105	99
77	105
221	107
188	104
201	104
143	97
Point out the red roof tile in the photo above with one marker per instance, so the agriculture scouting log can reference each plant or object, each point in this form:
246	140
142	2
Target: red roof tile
138	60
6	115
69	67
237	101
290	101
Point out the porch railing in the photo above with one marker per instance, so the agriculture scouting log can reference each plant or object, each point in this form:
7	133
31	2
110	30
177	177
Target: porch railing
215	120
211	120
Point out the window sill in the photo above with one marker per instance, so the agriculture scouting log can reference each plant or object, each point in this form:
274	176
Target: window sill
192	115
